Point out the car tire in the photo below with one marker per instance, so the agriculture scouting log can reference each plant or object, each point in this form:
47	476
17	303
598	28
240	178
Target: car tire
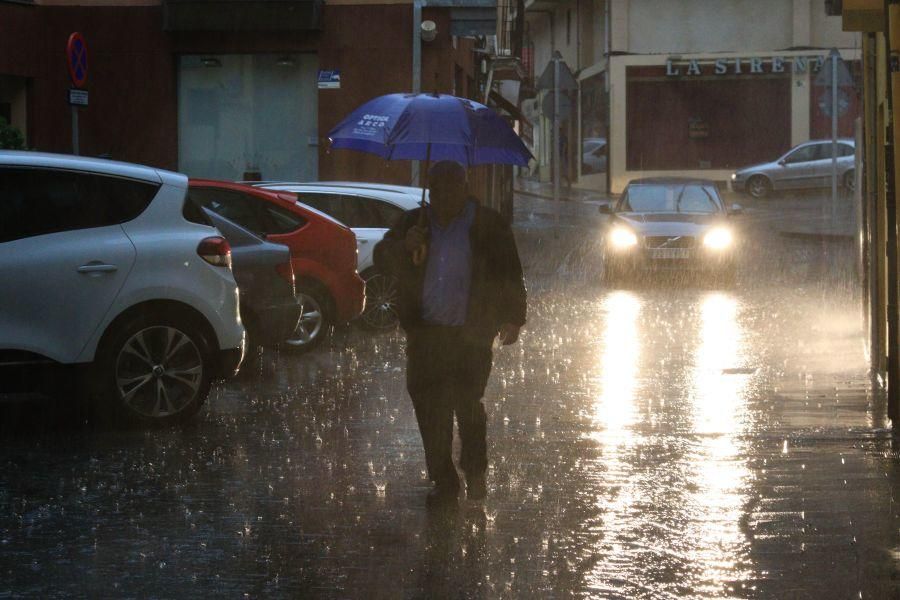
382	295
153	370
850	180
314	323
759	186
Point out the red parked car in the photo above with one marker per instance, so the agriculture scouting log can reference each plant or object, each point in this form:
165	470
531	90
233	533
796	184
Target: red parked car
323	251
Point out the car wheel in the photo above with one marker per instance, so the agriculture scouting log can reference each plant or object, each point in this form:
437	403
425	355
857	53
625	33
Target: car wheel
759	186
154	370
313	324
850	180
382	294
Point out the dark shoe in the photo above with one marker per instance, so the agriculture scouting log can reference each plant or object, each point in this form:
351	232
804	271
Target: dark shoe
441	495
476	487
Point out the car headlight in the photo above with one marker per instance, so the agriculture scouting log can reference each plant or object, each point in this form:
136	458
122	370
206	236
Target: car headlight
718	238
622	238
733	176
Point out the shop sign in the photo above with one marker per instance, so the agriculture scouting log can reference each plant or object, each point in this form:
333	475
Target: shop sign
330	80
697	128
745	66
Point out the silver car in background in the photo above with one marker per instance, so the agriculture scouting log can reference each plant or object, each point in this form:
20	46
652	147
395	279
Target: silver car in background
805	166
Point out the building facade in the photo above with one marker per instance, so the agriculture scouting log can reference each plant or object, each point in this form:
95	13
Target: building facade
695	87
225	88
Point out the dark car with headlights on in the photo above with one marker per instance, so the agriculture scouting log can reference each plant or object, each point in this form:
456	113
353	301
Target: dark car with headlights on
669	224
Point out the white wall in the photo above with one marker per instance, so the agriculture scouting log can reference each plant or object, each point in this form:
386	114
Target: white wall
545	40
826	32
598	31
690	26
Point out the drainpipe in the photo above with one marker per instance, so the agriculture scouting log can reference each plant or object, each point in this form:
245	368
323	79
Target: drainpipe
891	166
607	42
608	50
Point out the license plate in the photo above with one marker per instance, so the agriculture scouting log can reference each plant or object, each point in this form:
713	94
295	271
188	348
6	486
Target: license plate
671	253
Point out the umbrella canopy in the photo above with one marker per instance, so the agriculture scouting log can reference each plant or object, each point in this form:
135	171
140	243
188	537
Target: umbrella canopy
430	127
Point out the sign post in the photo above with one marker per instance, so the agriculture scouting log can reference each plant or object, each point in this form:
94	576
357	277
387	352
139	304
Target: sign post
557	77
834	76
77	60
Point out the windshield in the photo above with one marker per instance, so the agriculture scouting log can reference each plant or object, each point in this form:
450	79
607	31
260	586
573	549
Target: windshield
651	198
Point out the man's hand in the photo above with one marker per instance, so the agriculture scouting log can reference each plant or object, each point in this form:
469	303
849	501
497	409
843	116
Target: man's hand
509	333
416	237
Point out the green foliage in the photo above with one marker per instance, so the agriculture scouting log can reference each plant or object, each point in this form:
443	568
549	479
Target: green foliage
10	137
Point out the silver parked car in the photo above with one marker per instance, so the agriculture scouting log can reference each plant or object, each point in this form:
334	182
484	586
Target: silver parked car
805	166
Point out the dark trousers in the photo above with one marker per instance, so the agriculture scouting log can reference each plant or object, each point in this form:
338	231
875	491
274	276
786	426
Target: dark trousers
446	374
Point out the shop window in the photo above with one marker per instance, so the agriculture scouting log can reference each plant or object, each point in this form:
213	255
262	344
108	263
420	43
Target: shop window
711	123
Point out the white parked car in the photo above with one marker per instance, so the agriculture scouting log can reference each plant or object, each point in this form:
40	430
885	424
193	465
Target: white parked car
103	264
369	209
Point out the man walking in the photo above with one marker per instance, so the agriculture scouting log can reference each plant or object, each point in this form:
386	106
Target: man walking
466	290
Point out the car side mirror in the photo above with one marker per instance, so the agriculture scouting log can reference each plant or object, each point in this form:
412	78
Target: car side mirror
782	162
604	209
736	209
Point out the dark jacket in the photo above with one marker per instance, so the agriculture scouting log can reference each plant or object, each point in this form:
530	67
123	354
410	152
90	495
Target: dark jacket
497	294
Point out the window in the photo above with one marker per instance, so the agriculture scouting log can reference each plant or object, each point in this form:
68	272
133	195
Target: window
40	201
649	198
804	154
369	212
823	151
389	214
695	199
330	204
233	206
193	213
280	220
254	214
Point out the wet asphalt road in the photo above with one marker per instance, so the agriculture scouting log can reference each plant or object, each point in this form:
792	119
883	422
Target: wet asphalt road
677	439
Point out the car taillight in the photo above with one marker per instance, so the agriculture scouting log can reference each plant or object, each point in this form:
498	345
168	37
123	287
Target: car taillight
216	251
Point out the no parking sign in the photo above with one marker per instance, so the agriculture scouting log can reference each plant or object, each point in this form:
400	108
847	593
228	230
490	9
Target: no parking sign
77	58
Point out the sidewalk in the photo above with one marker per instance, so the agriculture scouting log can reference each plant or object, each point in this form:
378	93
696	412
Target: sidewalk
539	189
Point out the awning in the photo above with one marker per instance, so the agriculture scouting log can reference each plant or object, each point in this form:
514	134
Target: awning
242	15
508	106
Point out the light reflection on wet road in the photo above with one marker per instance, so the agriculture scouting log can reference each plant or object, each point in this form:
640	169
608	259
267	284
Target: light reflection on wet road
661	441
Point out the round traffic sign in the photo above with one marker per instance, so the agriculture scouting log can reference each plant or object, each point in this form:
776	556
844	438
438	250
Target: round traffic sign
825	102
77	58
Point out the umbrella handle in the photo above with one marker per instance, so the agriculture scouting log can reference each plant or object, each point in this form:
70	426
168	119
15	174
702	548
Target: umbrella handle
419	255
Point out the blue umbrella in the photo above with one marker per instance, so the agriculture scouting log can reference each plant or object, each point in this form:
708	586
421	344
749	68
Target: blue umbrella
430	127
